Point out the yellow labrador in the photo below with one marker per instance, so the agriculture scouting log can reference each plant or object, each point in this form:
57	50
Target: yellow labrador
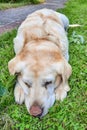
41	61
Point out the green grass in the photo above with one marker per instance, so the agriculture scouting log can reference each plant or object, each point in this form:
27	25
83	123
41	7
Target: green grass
8	5
4	6
71	114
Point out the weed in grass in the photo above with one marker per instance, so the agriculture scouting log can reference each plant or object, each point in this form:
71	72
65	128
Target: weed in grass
76	38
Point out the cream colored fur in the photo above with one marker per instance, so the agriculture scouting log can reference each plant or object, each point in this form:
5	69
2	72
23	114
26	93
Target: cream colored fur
41	61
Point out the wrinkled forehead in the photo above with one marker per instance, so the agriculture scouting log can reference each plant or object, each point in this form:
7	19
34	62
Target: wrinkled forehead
39	61
39	71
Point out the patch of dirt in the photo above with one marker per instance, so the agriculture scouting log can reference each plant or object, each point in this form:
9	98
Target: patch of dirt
12	18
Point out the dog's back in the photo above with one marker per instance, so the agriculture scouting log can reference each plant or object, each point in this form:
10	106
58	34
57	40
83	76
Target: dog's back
43	24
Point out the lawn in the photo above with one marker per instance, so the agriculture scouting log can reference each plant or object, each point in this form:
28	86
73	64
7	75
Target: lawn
4	6
71	114
10	4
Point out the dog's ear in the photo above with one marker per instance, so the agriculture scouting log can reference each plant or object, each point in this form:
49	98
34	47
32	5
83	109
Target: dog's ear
64	69
67	70
15	65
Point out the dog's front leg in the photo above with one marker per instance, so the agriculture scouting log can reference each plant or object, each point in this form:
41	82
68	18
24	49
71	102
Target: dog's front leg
19	94
61	91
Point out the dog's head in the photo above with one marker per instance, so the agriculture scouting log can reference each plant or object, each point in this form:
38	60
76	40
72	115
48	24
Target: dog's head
41	69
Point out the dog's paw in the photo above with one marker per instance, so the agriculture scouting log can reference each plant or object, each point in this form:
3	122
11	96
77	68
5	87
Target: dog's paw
61	94
19	94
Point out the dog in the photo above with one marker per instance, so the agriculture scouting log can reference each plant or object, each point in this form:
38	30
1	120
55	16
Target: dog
41	61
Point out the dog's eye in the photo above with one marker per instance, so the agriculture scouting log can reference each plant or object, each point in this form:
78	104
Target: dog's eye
28	85
17	73
47	83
